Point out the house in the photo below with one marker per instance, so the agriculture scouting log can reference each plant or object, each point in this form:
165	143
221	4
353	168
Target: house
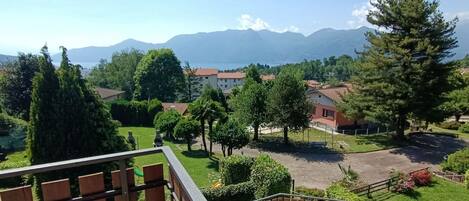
313	84
326	113
465	70
109	94
181	108
267	77
229	80
207	76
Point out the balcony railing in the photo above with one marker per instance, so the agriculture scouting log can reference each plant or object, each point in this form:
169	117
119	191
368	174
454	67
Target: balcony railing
179	184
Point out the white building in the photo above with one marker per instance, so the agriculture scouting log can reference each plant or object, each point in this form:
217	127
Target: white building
206	76
229	80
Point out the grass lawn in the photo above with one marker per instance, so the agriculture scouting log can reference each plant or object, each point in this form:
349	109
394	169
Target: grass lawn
439	190
438	130
352	143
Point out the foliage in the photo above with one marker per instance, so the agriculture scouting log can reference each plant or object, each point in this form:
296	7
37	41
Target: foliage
166	121
158	75
452	125
466	179
269	177
288	105
12	133
210	93
457	103
16	85
250	104
457	162
235	169
253	73
422	177
68	121
404	183
13	181
198	109
242	192
337	191
231	135
154	107
464	128
314	192
134	113
350	177
191	83
119	73
188	129
405	63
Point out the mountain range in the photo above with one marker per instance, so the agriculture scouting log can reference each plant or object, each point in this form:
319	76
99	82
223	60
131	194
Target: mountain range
249	46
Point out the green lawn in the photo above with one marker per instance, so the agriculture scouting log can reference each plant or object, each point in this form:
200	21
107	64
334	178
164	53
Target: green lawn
438	130
351	143
438	191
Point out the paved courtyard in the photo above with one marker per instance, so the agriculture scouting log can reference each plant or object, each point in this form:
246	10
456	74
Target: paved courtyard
315	170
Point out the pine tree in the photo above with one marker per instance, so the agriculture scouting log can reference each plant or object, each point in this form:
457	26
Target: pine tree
405	70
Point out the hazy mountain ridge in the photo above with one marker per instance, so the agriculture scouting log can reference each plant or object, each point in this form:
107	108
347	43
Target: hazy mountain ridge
6	58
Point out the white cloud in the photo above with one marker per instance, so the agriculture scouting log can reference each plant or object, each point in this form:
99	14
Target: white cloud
248	22
359	15
462	15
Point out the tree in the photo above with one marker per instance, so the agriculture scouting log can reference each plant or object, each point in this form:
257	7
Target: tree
16	85
119	73
68	121
198	110
457	103
253	73
214	112
191	82
154	107
166	121
288	105
210	93
158	75
404	71
231	135
250	105
188	129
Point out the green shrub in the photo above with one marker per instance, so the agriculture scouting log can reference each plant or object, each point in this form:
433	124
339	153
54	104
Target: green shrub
457	162
13	181
134	113
452	125
337	191
269	177
314	192
466	179
154	107
464	128
240	192
235	169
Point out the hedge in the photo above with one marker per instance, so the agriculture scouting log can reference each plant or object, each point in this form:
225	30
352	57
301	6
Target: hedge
135	113
235	169
269	177
464	128
337	191
457	162
466	179
452	125
240	192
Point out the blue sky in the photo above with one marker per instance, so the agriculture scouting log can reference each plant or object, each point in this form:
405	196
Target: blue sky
28	24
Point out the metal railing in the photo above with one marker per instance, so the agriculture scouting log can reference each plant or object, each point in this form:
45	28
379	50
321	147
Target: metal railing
181	185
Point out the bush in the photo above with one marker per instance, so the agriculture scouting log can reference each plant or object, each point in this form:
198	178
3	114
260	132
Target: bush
457	162
464	128
134	113
240	192
452	125
422	177
337	191
269	177
13	181
404	184
466	179
314	192
235	169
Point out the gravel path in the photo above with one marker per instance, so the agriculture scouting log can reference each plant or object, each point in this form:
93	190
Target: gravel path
316	170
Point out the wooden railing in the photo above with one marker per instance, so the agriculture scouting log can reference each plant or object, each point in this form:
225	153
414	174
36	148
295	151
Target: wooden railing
450	176
92	186
293	197
380	185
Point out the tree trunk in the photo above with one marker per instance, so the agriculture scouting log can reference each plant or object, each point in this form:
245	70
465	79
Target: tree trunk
285	135
256	132
189	144
210	126
457	117
400	127
223	150
203	134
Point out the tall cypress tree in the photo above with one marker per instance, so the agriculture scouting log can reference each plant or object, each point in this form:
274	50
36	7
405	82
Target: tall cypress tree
405	72
68	120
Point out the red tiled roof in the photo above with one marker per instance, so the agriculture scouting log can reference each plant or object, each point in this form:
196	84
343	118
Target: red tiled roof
206	71
106	93
232	75
180	107
335	93
465	70
267	77
313	83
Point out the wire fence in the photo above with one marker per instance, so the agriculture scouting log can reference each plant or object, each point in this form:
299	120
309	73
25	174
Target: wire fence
358	131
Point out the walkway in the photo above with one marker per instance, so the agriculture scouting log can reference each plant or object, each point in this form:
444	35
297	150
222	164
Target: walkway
320	170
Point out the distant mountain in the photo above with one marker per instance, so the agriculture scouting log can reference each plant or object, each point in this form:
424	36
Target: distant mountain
6	58
249	46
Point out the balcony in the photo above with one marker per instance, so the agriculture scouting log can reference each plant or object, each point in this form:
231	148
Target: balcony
179	184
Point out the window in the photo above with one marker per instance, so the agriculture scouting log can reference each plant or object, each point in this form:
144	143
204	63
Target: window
328	113
226	86
206	78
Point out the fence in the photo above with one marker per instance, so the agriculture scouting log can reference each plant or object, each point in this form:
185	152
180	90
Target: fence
450	176
293	197
380	185
361	131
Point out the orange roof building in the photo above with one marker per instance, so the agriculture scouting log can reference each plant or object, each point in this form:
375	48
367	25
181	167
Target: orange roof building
181	108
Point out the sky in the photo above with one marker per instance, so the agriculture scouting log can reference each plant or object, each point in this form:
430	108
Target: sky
26	25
